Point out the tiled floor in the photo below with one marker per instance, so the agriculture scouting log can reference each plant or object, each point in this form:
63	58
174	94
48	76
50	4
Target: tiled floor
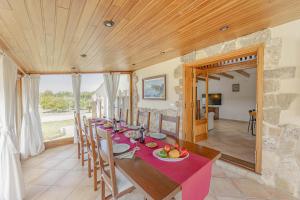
232	138
56	174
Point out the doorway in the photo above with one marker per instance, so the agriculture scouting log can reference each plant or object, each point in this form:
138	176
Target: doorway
226	105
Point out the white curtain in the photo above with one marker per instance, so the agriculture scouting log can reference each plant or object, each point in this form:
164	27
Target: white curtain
32	142
11	179
111	83
76	82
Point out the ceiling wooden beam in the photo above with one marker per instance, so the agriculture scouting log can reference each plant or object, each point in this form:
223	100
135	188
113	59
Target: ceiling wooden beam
6	51
201	78
243	73
227	75
214	77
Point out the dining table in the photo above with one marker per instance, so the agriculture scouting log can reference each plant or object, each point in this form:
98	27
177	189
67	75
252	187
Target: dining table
161	180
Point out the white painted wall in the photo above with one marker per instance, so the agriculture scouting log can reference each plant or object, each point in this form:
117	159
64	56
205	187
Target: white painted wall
167	68
235	105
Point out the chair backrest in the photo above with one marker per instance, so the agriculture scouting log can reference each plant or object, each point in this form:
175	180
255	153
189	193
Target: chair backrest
106	156
121	115
175	120
91	137
78	127
147	115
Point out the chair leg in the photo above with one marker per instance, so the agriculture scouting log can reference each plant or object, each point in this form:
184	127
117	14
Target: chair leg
249	124
78	150
82	155
95	176
102	190
89	167
253	127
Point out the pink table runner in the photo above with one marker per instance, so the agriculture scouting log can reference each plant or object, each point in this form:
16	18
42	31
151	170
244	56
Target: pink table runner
193	173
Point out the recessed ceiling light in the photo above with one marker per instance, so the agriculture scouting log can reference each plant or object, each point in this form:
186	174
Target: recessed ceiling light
109	23
133	64
83	55
73	68
224	28
162	52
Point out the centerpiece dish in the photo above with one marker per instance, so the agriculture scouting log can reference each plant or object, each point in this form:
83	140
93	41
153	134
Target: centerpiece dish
171	153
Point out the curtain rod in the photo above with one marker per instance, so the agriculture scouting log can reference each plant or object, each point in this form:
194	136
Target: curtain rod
67	73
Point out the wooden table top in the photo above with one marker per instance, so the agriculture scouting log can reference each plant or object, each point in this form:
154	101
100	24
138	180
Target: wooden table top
155	184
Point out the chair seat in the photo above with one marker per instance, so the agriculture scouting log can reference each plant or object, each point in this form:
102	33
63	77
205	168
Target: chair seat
122	182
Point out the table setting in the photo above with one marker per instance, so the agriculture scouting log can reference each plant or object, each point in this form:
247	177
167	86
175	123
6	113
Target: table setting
133	144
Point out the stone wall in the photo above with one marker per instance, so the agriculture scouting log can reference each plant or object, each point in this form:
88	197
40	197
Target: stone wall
281	141
281	118
155	113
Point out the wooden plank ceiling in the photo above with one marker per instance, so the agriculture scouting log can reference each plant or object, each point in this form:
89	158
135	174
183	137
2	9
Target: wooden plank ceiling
48	36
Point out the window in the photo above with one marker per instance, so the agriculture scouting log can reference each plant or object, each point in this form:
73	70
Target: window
90	102
56	106
122	99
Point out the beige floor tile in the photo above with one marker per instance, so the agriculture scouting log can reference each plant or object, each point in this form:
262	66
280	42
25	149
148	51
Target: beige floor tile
87	181
210	196
32	162
71	179
232	138
49	163
218	171
49	178
231	174
135	195
251	188
56	193
84	192
223	187
67	164
230	198
279	195
30	174
33	191
79	167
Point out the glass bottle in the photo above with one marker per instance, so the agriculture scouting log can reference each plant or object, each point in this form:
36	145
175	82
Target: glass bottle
142	132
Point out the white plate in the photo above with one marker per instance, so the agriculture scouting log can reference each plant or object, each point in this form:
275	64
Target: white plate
167	159
132	134
133	127
120	148
158	136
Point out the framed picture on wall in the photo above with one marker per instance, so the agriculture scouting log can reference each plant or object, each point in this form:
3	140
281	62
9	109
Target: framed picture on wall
235	87
154	88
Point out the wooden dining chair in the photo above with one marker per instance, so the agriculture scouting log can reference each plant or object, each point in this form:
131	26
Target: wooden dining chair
111	177
92	146
81	138
147	115
121	115
252	121
169	119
